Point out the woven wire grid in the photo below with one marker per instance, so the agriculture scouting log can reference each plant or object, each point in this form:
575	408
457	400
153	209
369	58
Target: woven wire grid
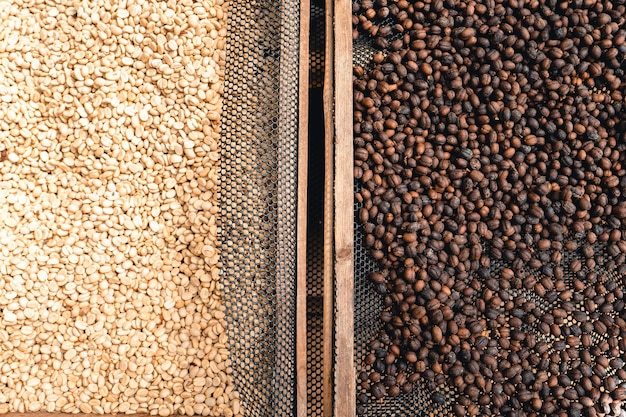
315	215
315	262
258	175
314	363
317	44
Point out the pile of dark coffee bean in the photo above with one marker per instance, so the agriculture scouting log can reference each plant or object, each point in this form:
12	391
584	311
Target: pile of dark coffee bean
490	152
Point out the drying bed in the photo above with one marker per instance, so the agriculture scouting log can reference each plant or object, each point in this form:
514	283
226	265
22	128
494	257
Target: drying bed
148	196
489	150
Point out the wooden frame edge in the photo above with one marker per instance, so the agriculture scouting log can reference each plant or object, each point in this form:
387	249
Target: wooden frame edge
328	329
301	226
345	377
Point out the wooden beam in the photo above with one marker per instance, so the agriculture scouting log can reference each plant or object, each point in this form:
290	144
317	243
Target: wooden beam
328	331
301	226
345	377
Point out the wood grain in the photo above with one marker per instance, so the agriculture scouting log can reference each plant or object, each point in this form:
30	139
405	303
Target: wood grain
345	377
329	265
301	226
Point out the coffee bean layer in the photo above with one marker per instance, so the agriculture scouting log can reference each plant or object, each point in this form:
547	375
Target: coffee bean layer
489	151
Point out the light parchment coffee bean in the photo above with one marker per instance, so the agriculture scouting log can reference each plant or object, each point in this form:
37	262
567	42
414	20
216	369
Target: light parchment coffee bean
109	148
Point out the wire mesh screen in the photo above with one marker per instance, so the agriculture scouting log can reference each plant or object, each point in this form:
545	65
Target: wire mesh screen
258	201
317	46
314	365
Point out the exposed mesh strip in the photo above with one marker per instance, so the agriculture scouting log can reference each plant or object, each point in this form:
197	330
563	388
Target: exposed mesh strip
363	52
258	201
315	227
315	262
317	44
315	355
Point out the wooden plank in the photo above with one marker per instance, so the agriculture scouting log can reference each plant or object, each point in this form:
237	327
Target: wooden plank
301	226
329	161
345	377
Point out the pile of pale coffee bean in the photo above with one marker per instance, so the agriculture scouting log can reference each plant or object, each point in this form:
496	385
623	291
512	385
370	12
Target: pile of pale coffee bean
489	148
110	292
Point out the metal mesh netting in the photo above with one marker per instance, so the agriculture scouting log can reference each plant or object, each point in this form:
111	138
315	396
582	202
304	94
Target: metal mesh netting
258	201
315	269
315	264
314	365
315	230
317	46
